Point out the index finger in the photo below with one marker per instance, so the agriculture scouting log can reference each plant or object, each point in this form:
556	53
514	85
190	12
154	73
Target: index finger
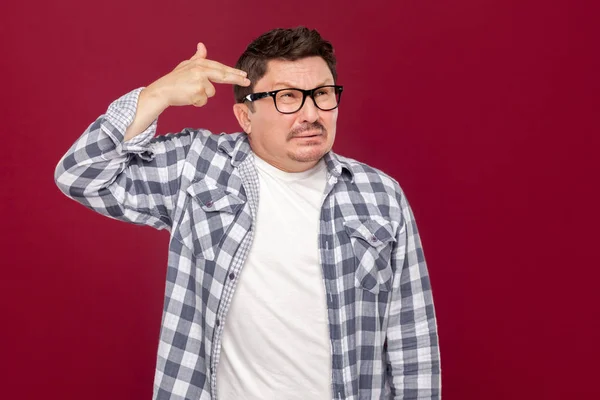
223	76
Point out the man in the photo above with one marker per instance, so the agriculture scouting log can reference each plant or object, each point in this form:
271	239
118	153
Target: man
294	273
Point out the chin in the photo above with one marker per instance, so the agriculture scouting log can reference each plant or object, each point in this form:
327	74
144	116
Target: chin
308	154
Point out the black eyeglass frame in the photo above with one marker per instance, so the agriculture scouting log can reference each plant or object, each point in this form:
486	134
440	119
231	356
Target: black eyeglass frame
305	93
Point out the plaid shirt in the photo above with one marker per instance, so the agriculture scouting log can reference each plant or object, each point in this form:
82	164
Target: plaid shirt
203	188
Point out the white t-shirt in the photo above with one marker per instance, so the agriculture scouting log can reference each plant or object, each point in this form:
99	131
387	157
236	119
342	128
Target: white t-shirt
276	337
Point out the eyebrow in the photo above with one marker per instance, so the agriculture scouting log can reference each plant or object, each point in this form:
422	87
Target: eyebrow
286	85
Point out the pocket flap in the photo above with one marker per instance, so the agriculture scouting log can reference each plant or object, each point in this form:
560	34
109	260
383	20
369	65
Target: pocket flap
376	232
214	198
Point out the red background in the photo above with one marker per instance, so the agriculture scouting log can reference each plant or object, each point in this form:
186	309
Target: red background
485	111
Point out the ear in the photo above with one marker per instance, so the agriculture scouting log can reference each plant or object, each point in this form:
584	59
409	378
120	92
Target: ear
242	113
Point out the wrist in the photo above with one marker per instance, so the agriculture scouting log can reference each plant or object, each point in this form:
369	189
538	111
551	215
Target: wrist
154	96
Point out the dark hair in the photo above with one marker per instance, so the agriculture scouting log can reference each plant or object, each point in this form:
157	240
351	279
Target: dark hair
281	44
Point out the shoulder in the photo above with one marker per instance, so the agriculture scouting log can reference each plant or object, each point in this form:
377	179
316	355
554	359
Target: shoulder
370	179
377	190
199	142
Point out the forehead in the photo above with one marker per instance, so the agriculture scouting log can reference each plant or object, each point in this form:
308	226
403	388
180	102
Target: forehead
305	73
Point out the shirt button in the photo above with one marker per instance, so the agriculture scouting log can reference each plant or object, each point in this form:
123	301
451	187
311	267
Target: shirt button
374	238
231	276
218	322
209	204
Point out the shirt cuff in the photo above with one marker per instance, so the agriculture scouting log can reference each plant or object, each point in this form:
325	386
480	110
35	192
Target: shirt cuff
120	115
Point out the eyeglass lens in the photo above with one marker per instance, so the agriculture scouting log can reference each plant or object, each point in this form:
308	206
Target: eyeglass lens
290	100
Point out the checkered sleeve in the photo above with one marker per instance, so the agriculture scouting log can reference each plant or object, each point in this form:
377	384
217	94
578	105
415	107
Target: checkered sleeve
134	181
412	341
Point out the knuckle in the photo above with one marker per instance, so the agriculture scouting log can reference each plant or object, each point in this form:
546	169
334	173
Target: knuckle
200	101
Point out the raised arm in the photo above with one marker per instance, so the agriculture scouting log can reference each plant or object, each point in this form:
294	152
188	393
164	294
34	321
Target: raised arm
118	168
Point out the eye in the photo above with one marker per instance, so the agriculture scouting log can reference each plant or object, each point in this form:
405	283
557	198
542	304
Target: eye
288	95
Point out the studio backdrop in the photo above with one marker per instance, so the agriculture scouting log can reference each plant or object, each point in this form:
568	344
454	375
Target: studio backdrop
484	111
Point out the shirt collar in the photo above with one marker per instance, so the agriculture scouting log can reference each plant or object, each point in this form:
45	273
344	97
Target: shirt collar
237	148
338	167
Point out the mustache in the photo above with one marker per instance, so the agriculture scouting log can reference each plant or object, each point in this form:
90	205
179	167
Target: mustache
307	127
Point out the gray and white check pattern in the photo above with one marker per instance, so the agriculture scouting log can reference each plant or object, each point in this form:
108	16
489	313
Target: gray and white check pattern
203	188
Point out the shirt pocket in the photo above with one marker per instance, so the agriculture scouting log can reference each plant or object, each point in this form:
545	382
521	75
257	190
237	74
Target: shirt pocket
208	214
372	241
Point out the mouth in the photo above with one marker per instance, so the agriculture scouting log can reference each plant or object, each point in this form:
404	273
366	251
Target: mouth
307	135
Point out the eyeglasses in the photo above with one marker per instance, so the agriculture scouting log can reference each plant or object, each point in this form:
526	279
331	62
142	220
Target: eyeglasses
289	101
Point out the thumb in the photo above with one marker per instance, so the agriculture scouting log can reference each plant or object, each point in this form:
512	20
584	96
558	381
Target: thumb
200	51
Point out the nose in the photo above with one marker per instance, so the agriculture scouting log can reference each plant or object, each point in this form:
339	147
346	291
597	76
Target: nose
309	111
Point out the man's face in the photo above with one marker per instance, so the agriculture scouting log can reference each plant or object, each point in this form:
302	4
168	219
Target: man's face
291	142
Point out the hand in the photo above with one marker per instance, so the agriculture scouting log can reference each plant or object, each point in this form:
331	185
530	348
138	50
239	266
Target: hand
191	82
